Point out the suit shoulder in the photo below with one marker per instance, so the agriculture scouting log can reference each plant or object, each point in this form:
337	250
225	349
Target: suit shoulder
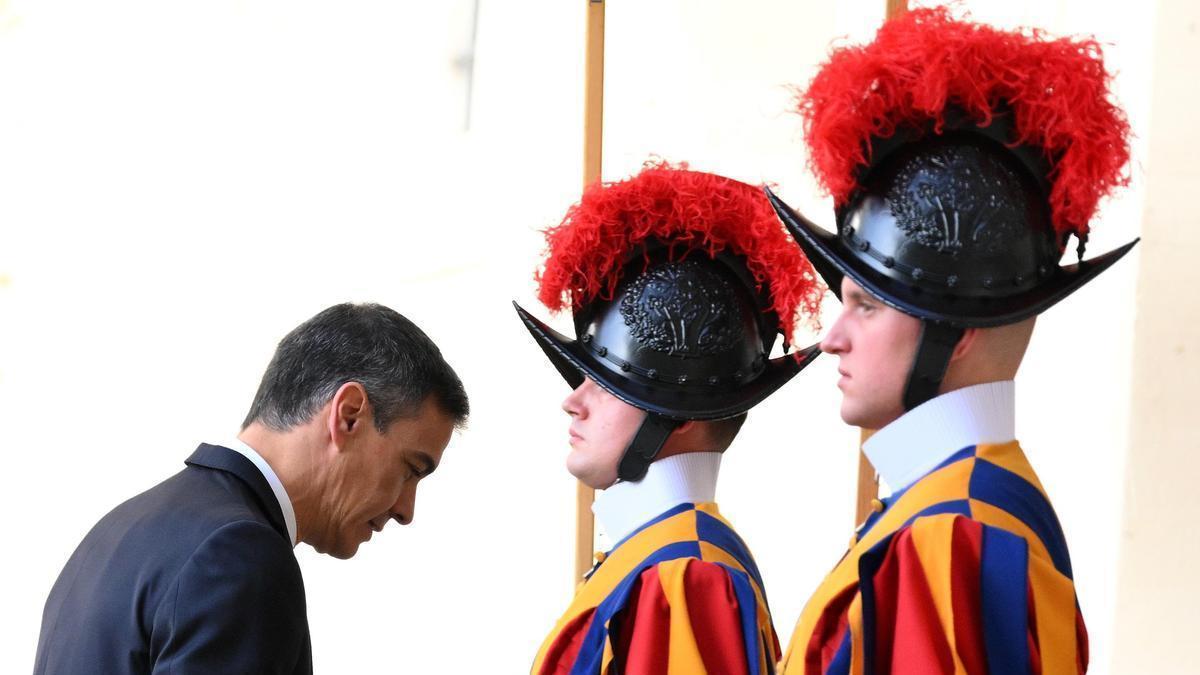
250	537
202	494
180	512
245	552
242	565
131	557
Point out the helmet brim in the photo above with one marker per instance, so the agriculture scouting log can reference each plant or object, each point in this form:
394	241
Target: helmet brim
834	261
698	401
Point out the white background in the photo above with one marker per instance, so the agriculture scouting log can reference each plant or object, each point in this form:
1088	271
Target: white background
183	183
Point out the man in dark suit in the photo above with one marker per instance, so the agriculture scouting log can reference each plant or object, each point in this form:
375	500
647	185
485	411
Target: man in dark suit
197	574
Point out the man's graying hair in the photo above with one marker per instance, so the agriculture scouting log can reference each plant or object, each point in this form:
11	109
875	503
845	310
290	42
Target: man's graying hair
396	363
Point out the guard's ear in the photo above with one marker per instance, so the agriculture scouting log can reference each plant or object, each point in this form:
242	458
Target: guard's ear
969	337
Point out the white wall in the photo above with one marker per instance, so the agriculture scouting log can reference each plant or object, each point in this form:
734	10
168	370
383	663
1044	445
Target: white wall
182	183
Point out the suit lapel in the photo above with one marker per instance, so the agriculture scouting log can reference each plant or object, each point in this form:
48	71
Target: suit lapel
224	459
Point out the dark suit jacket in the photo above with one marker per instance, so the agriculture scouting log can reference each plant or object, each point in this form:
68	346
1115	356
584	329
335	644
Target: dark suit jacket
195	575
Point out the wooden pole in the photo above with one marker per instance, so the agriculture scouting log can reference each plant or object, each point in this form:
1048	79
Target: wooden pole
868	481
593	135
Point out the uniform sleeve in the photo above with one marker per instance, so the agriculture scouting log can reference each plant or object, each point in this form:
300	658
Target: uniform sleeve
691	616
951	595
237	606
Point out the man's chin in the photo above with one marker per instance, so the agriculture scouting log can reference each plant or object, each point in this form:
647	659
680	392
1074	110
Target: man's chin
587	476
339	550
591	481
344	553
858	416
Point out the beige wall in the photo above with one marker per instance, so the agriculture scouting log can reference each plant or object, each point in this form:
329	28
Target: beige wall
1157	588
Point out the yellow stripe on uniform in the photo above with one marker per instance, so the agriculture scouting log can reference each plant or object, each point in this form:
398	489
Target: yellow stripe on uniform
932	537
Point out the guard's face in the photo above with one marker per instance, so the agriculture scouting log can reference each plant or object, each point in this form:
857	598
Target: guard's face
875	346
374	478
602	426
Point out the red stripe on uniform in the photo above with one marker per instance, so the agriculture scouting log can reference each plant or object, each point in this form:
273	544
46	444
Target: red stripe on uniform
966	551
561	654
644	626
908	634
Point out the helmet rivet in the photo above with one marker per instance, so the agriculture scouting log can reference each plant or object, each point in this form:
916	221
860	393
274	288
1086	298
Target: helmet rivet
737	375
587	337
952	281
987	282
713	379
1018	280
889	262
917	274
652	373
1043	271
625	366
683	379
864	246
602	351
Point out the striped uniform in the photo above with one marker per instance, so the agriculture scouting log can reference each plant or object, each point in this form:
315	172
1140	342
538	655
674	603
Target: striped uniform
681	595
965	571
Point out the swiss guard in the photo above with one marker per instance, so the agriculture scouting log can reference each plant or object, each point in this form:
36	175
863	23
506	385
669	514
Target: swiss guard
680	283
961	159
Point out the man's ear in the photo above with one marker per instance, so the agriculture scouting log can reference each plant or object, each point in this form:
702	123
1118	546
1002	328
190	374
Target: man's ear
969	337
680	439
349	410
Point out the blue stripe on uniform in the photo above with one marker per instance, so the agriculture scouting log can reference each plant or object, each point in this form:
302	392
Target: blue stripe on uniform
868	564
1003	587
720	535
1006	490
748	612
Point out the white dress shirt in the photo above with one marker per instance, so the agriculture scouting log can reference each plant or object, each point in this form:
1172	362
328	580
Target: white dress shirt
680	479
924	437
285	504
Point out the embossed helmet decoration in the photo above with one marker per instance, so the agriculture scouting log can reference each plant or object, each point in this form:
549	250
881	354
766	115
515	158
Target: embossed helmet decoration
961	159
679	283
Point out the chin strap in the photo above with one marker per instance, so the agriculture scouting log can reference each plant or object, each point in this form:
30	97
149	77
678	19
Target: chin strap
934	349
645	445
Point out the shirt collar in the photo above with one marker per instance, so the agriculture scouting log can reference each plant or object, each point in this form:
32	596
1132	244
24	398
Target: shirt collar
930	433
690	477
285	504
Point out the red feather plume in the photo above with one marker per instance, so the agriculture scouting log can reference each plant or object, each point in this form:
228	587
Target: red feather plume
690	211
925	60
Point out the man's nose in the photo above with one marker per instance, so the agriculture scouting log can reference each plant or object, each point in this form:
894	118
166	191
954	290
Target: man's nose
404	508
573	403
835	341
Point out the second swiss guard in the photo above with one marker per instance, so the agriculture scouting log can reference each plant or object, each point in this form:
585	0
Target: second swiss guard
963	160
